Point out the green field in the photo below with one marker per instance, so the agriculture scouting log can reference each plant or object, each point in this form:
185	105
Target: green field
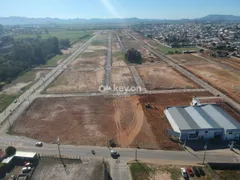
141	171
73	35
26	77
5	100
54	60
167	50
119	56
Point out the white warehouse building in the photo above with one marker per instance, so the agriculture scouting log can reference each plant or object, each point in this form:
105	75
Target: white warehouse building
202	122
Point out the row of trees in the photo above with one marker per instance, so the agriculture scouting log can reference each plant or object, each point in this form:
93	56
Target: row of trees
26	54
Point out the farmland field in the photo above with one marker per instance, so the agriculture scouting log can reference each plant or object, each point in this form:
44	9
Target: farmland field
72	35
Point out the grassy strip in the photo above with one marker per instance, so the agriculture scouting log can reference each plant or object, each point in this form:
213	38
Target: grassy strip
5	101
175	172
141	171
118	55
167	50
25	77
55	59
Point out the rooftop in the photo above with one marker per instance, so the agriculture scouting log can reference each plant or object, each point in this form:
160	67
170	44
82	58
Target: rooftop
19	154
202	117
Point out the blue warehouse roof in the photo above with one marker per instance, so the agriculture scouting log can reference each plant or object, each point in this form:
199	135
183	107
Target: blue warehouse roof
202	117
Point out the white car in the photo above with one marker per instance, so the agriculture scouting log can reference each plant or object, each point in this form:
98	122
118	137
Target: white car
184	173
39	144
114	153
26	169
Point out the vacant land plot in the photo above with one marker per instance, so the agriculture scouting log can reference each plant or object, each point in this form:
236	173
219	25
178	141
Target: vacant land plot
226	81
117	55
78	80
94	55
232	62
122	77
185	59
49	169
227	174
164	77
23	82
142	171
93	120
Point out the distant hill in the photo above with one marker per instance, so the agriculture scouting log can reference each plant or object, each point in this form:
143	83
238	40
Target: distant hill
24	21
216	17
40	21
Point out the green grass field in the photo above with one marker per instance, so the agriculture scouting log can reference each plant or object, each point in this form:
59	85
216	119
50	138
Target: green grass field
54	60
5	100
73	36
141	171
167	50
25	77
119	56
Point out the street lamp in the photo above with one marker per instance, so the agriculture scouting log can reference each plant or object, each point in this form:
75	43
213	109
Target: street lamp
205	147
59	152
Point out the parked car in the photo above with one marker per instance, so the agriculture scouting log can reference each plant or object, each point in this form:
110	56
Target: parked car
201	172
28	164
26	169
195	171
190	172
39	144
184	173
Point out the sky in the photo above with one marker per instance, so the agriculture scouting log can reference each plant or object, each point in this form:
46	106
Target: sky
151	9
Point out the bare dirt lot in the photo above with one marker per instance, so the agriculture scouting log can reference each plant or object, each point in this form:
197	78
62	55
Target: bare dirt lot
50	169
164	77
122	76
93	120
232	62
226	81
185	59
78	80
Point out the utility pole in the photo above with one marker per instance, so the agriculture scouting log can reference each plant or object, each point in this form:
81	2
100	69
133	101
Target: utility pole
60	156
136	155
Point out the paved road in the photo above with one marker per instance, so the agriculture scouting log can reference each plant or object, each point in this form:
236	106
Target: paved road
111	93
35	90
108	63
44	68
179	157
191	76
137	78
121	45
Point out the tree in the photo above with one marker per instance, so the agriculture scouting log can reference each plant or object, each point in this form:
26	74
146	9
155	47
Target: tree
46	31
1	29
133	56
10	151
64	43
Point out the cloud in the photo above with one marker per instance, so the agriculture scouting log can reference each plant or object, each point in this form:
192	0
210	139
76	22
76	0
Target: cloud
110	8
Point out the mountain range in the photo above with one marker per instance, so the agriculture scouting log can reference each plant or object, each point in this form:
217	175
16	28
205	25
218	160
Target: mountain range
31	21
